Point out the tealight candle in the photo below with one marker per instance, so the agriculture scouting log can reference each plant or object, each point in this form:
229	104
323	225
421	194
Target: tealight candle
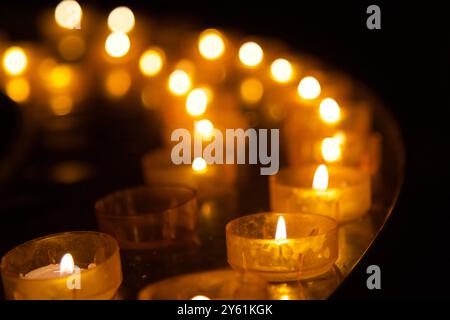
89	268
221	284
208	180
282	247
321	188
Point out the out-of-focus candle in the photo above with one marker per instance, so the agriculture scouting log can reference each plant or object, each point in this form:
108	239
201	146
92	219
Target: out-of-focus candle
282	247
309	88
117	44
179	82
121	19
68	14
15	61
18	89
281	70
151	62
211	44
251	54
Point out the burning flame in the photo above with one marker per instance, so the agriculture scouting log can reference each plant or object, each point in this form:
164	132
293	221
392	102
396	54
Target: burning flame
280	234
66	266
200	298
320	181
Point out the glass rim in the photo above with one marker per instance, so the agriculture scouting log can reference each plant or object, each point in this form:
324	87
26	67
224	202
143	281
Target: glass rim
110	239
103	213
235	221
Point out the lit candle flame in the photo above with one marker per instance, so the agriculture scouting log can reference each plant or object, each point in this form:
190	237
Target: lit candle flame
331	149
329	110
320	181
309	88
205	128
67	265
199	165
200	297
280	234
211	44
15	61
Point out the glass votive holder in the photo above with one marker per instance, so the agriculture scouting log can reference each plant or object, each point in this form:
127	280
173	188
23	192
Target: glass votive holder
152	217
347	196
209	182
282	247
208	285
77	265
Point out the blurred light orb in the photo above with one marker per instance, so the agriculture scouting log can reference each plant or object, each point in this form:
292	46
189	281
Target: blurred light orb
15	61
205	128
211	44
18	89
179	82
68	14
329	111
251	90
71	47
199	165
61	105
60	76
118	82
331	149
251	54
197	101
151	62
121	19
281	70
117	44
309	88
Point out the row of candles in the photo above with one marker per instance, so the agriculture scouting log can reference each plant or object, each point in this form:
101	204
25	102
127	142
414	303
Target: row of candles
332	153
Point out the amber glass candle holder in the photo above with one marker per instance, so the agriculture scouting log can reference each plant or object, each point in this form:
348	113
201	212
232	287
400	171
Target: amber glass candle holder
213	181
208	285
348	192
150	217
308	250
95	254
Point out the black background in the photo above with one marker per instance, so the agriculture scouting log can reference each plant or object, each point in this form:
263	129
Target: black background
406	64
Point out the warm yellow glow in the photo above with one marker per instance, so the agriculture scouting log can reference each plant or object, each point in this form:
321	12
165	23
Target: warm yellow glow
251	90
329	110
179	82
331	149
14	61
199	165
67	265
320	181
251	54
211	44
200	298
121	19
68	14
118	82
309	88
281	70
60	76
61	105
18	89
71	47
151	62
205	128
280	233
117	44
197	101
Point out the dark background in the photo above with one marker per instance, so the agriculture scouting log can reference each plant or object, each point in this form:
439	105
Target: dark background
406	64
